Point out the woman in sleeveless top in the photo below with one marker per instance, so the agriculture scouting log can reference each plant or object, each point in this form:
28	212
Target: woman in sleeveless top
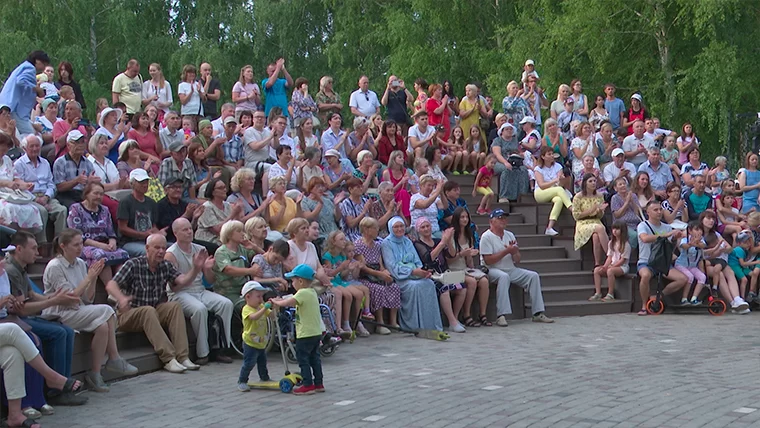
749	183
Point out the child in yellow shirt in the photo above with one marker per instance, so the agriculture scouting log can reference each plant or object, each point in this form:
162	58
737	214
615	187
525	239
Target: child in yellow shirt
308	329
255	312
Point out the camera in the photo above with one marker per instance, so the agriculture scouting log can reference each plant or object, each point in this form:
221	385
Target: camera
395	84
83	122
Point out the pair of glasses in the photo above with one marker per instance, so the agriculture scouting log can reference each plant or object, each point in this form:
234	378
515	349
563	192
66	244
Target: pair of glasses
366	96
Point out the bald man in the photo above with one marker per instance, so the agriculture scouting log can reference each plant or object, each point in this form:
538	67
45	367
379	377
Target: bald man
127	88
213	89
195	300
139	287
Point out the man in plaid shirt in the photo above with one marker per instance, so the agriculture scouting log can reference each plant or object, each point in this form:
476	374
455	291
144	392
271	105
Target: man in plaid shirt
178	166
139	287
232	145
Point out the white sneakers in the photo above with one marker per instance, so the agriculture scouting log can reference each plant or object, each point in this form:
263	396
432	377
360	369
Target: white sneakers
501	321
739	306
551	232
383	330
457	328
174	366
190	365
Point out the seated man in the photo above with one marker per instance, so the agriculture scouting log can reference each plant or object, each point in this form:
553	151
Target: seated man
697	199
32	168
196	301
139	287
500	252
57	339
178	165
619	167
648	232
659	172
71	172
137	215
172	207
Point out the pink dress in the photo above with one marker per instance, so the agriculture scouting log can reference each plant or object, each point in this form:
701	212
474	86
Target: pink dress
401	196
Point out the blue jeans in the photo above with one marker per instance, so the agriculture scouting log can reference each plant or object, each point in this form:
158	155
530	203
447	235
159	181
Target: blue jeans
307	354
57	343
253	356
134	249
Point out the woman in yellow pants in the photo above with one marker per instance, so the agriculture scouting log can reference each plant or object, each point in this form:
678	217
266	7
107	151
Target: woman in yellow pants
548	175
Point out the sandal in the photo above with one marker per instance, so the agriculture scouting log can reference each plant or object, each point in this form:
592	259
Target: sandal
643	312
28	423
484	321
69	385
469	322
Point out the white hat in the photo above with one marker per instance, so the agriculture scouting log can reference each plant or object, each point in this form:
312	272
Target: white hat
332	152
530	62
138	174
73	136
505	126
251	286
528	119
230	119
636	97
617	152
106	111
362	154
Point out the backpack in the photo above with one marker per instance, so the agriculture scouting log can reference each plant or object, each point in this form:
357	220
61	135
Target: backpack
216	337
661	256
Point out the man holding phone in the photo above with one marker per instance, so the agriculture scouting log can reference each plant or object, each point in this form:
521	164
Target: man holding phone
499	251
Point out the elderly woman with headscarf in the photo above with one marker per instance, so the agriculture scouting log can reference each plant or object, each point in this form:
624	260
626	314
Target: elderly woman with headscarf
419	303
211	147
513	176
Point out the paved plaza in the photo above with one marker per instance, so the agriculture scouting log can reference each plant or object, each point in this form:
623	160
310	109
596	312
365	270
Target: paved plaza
601	371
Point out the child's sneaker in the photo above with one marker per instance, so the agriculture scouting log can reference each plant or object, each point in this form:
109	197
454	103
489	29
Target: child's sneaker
319	388
243	387
304	390
695	302
684	301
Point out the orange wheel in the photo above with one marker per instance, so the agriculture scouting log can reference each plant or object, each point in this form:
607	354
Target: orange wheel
717	307
655	307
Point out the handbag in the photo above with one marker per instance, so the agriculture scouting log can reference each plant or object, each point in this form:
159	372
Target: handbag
516	160
449	277
661	255
373	278
16	196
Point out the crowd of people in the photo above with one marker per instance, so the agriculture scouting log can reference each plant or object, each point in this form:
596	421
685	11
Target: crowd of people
179	205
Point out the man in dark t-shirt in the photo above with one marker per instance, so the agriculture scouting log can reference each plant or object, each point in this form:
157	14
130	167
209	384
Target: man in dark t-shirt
137	215
213	89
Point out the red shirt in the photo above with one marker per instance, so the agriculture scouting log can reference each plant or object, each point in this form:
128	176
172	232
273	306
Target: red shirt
385	148
438	119
632	115
485	176
60	128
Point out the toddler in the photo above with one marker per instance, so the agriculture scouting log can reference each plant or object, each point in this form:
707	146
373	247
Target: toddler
255	337
618	253
529	69
188	127
308	328
738	262
483	185
669	153
337	265
688	262
270	264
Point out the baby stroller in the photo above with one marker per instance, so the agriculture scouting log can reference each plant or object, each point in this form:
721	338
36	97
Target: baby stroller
329	343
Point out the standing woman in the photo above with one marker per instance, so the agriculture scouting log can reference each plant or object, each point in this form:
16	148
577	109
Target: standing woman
685	142
68	273
66	78
419	305
438	108
448	90
548	176
157	91
558	105
580	104
147	139
588	210
420	85
246	93
749	183
471	109
328	101
191	94
303	105
514	106
636	112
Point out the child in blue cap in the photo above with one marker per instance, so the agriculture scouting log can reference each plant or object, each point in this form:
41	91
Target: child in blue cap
308	328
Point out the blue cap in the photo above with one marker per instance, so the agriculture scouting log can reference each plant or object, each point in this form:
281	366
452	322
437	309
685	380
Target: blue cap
498	212
301	271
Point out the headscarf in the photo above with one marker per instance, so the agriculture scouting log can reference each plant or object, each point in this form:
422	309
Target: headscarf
393	238
420	221
402	246
203	123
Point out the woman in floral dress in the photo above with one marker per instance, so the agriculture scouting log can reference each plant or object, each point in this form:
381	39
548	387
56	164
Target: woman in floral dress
98	235
382	295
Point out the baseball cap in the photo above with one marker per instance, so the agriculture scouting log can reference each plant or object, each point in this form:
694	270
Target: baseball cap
332	152
569	100
498	212
176	146
230	119
46	102
74	136
138	174
174	180
505	126
530	62
617	152
636	97
301	271
528	119
252	286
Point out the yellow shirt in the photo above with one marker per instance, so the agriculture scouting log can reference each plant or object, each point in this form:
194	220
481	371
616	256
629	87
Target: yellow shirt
472	119
308	318
255	331
290	213
129	90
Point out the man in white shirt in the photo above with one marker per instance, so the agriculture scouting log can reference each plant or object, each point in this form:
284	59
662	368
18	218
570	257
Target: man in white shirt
257	142
618	168
635	146
228	109
363	101
171	133
420	135
499	251
279	125
655	133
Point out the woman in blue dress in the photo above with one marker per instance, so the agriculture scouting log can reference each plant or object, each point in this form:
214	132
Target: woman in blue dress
419	302
749	183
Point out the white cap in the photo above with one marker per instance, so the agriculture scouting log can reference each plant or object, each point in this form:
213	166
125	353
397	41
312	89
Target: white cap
251	286
530	62
505	126
230	119
617	151
138	174
74	135
108	110
332	152
528	119
636	97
